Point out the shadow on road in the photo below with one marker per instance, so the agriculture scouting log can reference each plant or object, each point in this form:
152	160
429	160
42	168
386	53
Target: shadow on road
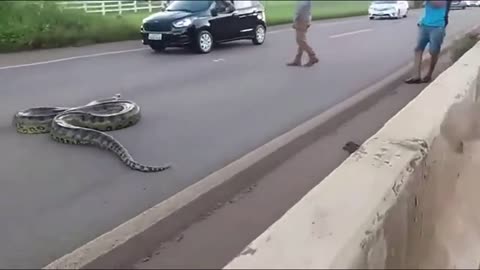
218	48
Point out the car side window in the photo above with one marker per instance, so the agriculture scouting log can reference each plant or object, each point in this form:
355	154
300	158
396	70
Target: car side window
243	4
224	6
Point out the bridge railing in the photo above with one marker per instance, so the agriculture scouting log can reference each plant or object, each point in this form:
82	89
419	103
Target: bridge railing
118	7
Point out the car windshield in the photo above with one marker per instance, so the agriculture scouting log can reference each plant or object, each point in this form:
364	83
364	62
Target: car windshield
189	5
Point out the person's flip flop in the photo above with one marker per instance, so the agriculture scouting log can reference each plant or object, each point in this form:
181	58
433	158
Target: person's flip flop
413	81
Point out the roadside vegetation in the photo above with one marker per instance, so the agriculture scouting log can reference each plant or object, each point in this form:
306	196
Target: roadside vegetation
280	12
461	46
28	25
42	24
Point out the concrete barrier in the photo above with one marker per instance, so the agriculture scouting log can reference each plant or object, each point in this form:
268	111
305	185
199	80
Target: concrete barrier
405	199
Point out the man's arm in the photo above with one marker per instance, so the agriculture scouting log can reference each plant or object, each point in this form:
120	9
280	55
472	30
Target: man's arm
447	12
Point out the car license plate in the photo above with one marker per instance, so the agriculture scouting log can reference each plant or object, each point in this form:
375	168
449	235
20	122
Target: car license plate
155	36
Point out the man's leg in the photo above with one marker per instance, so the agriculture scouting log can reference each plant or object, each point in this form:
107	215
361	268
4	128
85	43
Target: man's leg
436	39
298	57
312	58
422	41
418	64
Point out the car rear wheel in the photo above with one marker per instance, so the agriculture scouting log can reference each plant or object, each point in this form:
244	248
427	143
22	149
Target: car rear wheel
259	35
204	42
157	47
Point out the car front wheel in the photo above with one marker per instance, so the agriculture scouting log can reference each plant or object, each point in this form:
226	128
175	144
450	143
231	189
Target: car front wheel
259	35
204	42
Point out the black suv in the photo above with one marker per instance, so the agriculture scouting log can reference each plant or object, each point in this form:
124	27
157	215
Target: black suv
200	24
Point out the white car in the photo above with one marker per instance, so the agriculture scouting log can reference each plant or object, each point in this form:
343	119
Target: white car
473	3
388	9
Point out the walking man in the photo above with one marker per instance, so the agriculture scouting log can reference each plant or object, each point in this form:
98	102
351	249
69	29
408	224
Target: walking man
431	30
302	21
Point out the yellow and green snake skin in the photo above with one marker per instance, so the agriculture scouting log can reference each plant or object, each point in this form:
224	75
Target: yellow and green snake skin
85	125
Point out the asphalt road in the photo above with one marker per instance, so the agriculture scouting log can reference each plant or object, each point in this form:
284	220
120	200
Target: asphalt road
200	112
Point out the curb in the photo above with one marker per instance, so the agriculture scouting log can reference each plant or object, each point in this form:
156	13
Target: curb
141	235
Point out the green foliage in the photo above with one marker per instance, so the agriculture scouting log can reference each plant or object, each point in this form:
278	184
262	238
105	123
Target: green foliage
42	24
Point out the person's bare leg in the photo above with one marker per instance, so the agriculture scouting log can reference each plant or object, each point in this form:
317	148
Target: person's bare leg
416	78
422	41
433	63
418	64
436	37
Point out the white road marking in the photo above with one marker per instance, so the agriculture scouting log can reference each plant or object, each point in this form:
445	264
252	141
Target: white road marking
316	25
351	33
219	60
71	58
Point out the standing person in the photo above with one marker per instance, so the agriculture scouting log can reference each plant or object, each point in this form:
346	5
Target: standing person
431	30
302	21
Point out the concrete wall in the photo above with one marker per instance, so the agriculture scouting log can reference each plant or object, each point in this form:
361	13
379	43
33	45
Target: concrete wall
405	199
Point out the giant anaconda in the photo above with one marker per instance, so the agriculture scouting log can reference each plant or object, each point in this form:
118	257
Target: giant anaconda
85	125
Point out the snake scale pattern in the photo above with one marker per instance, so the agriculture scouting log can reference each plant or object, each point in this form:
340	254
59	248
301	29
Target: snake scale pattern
86	125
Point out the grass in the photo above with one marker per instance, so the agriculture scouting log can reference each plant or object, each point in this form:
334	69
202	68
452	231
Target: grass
280	12
41	24
461	46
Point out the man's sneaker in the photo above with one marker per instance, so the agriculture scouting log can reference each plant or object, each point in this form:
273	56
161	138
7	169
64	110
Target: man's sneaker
311	62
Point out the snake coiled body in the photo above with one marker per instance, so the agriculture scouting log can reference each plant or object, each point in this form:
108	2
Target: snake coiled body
85	125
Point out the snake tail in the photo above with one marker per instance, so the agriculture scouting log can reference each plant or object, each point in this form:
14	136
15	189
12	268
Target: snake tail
86	136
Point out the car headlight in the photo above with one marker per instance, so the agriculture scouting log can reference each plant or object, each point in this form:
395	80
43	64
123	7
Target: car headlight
147	19
183	23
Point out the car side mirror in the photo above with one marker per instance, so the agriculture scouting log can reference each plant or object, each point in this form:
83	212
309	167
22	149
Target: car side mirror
214	12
